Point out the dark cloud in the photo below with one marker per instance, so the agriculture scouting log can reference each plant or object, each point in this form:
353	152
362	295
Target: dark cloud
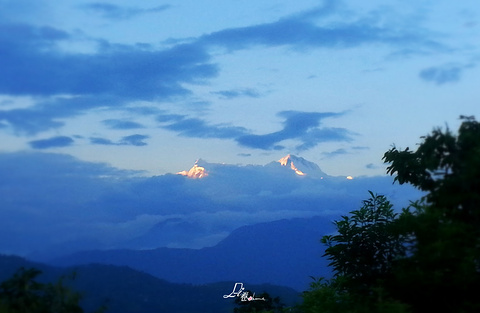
29	121
45	114
335	153
132	140
33	64
360	148
21	38
197	128
130	72
122	124
237	93
169	117
102	141
109	78
54	142
303	126
112	11
266	142
302	31
372	166
443	74
325	134
143	110
136	73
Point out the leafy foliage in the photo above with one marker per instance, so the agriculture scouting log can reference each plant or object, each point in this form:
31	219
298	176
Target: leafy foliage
332	297
447	167
444	267
326	296
22	293
366	245
426	259
266	305
362	254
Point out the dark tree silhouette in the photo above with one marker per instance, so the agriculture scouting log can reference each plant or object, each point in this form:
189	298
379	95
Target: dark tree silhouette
443	270
365	246
264	303
23	294
425	259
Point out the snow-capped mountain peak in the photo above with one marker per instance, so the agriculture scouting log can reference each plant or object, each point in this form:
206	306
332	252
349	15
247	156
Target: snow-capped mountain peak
196	171
287	161
301	166
298	165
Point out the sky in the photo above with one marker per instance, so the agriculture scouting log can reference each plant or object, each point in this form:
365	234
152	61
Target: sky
101	101
153	86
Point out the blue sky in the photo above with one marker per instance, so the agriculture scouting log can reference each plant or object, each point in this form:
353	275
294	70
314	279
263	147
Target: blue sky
100	101
153	86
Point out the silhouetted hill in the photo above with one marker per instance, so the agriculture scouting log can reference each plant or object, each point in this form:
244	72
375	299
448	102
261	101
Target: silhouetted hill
125	290
285	252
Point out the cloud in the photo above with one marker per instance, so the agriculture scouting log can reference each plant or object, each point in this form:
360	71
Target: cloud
45	113
116	12
445	74
137	73
113	76
132	140
302	31
360	148
372	166
21	38
122	124
53	201
303	126
237	93
54	142
48	198
326	134
102	141
29	121
31	65
197	128
335	153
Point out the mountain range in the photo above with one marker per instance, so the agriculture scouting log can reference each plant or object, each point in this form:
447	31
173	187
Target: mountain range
266	220
284	252
224	223
125	290
298	165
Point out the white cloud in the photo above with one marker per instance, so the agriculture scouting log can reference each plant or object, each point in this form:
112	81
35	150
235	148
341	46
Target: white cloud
78	205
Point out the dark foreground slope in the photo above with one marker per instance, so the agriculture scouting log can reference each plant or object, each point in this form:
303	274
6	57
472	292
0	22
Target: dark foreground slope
124	290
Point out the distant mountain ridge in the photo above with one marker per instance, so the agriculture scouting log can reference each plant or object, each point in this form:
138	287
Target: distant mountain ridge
298	165
284	252
173	211
301	166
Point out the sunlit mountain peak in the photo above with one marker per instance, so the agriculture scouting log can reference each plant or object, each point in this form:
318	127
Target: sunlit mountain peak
195	172
301	166
286	160
284	166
